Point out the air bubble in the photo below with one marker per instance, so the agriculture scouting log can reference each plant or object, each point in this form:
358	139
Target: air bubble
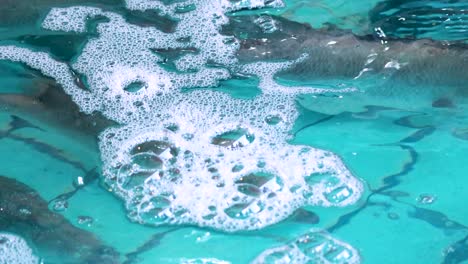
158	147
135	86
155	210
273	119
237	168
234	139
146	161
426	198
60	205
85	220
338	195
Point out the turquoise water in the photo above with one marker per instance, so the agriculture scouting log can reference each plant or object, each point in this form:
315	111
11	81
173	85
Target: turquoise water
394	193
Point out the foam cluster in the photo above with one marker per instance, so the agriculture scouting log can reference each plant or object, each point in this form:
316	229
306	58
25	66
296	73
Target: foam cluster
231	171
203	261
13	249
313	247
199	157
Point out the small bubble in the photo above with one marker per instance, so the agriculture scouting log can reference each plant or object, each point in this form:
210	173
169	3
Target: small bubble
393	216
237	138
60	205
237	168
138	103
172	127
135	86
273	119
261	164
338	195
187	136
25	211
85	220
426	199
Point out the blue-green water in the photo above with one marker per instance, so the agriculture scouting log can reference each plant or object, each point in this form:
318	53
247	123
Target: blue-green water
217	148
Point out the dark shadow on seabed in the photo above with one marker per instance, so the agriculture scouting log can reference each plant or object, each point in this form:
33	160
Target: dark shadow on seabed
455	253
25	213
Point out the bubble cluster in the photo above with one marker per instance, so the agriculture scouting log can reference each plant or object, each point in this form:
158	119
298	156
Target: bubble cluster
313	247
13	249
231	171
203	261
199	157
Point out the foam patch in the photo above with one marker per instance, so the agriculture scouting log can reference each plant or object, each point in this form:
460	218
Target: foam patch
13	249
313	247
232	171
203	261
199	157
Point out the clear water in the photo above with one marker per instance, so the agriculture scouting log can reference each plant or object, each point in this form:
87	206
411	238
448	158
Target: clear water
405	140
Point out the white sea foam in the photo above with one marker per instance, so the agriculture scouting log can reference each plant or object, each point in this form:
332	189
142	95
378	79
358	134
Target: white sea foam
232	171
13	249
203	261
198	157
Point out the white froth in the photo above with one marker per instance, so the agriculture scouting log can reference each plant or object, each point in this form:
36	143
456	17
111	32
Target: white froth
313	247
198	157
203	261
208	189
69	19
13	249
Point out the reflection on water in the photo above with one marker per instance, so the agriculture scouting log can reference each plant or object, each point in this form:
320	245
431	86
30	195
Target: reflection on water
206	118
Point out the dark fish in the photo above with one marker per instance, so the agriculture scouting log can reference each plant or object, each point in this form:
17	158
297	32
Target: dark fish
24	212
